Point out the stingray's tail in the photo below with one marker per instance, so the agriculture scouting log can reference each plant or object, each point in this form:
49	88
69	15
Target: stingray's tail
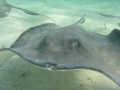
5	54
30	12
25	10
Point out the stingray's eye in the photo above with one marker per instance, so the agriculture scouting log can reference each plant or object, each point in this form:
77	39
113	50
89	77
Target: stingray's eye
74	44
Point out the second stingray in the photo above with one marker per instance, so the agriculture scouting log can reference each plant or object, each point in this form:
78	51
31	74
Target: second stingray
5	7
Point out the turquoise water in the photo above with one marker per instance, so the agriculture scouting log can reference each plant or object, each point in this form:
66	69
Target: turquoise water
102	16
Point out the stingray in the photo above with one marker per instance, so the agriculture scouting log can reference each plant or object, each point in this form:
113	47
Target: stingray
106	15
70	47
5	8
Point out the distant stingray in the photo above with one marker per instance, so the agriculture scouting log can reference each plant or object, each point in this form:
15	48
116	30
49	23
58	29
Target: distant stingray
106	15
5	7
70	47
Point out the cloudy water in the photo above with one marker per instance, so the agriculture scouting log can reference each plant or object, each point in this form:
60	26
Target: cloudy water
16	16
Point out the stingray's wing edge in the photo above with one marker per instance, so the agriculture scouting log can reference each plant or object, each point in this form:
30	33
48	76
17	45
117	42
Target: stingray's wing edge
8	52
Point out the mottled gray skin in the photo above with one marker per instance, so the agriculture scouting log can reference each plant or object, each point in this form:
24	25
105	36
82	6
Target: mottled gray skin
70	47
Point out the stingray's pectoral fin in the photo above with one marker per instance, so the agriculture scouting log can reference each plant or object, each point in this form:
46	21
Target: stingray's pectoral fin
5	54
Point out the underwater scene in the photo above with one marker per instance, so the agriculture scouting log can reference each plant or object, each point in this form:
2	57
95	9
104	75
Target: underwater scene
59	45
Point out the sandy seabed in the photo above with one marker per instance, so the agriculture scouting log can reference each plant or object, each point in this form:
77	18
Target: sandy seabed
18	74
